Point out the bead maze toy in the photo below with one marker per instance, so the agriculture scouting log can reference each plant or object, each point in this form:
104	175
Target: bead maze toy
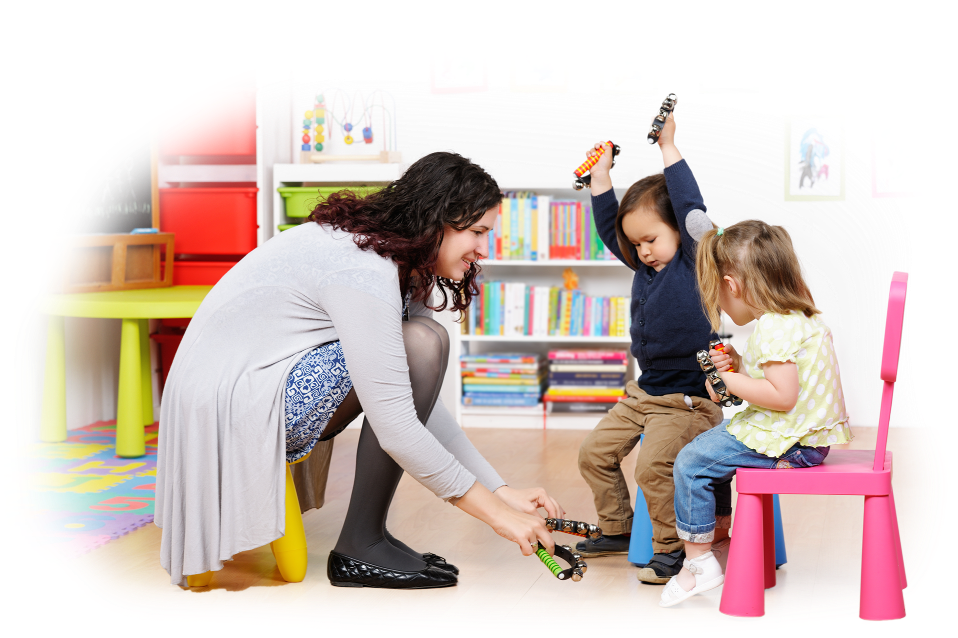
668	105
340	113
581	179
577	566
726	398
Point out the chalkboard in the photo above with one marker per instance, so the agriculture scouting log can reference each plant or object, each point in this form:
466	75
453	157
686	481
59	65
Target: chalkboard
124	197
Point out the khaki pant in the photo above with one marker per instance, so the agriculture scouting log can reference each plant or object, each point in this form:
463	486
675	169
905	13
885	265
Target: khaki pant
668	424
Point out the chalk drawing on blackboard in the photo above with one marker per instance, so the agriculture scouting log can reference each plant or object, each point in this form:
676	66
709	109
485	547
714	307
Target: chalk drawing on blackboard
123	199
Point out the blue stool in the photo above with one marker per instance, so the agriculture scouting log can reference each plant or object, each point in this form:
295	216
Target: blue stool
640	545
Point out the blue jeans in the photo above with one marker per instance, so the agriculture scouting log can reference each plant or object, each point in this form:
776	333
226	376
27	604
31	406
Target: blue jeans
703	475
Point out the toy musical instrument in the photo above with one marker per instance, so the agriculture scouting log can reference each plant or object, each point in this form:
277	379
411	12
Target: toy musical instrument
582	180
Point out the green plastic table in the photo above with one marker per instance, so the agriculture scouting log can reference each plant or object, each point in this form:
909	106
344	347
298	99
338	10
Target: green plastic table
134	408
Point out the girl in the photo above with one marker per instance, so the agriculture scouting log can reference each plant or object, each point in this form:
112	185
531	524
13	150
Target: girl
789	376
324	322
654	232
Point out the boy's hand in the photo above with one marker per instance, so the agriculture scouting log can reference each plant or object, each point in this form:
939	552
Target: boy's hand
712	395
601	182
667	135
670	154
604	164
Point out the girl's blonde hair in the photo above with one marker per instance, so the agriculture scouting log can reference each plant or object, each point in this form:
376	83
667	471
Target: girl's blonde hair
762	259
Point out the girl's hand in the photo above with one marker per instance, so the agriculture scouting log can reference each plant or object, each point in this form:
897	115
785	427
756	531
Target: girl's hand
730	359
530	500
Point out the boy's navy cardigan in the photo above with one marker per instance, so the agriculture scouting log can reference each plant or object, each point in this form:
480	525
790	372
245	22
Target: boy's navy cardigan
668	324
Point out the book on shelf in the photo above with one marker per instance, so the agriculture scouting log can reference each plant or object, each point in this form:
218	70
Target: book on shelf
520	384
582	398
616	379
596	375
553	407
501	400
583	390
535	228
588	354
514	359
507	308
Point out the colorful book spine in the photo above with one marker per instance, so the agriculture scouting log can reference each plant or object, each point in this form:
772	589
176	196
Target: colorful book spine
501	400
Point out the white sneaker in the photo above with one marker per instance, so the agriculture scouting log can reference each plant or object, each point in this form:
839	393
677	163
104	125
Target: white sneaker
708	575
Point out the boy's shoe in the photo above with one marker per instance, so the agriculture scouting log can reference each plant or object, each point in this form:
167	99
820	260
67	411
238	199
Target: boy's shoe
662	567
708	575
604	545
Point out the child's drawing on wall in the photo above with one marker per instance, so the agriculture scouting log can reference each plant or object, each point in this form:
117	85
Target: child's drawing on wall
814	154
814	160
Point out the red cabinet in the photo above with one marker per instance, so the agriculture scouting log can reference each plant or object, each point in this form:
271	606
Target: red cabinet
214	225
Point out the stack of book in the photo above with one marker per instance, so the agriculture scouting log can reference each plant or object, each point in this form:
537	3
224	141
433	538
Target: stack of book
585	380
502	379
514	308
532	227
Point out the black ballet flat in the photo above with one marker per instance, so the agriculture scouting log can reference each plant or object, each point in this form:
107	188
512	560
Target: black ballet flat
440	562
344	571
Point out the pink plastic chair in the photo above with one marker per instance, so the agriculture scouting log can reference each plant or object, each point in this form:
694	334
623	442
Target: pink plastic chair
751	564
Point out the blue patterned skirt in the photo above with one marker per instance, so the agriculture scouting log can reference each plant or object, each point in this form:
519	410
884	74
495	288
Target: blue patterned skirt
315	387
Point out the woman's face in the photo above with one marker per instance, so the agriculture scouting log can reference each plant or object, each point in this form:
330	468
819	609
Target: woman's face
460	248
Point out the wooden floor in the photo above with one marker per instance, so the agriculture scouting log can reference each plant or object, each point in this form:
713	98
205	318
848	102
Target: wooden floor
499	590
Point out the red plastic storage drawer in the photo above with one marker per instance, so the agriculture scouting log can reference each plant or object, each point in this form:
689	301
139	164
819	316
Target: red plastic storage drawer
223	124
199	273
209	221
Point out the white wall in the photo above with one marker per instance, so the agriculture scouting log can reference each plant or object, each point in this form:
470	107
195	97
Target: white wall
733	142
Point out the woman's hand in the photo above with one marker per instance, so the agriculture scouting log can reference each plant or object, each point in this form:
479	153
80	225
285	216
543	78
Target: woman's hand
526	530
530	500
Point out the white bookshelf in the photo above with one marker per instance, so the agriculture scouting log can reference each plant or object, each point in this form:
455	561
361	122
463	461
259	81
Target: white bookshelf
331	173
596	278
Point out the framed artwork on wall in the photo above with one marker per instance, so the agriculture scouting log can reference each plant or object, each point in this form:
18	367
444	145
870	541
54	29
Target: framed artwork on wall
451	75
537	74
814	161
893	167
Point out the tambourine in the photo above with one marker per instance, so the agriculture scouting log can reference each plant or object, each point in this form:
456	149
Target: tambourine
668	105
577	566
576	528
726	398
581	179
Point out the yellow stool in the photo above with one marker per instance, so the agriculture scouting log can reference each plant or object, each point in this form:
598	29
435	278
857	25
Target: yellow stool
288	550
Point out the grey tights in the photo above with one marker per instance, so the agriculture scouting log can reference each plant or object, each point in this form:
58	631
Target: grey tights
364	535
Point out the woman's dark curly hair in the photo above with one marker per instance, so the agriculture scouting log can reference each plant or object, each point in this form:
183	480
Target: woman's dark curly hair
406	221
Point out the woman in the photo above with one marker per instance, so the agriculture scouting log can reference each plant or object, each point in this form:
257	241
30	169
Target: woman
324	322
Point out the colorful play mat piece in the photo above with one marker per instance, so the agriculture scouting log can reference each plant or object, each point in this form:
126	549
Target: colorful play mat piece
82	495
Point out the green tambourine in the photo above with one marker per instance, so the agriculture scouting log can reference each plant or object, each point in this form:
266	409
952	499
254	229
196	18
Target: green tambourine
577	566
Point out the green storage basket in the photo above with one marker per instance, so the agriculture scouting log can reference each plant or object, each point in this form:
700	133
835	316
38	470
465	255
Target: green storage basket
301	200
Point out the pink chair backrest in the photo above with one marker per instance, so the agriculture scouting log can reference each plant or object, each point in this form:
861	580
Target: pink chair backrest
889	361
